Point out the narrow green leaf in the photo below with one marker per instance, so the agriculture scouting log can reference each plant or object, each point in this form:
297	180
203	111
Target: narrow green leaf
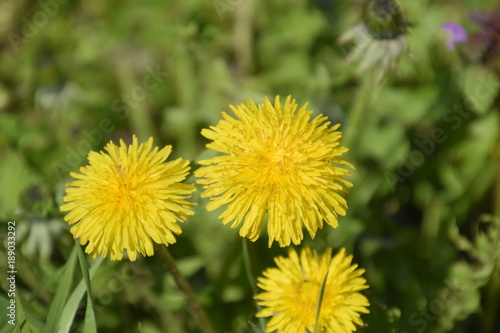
90	321
23	316
25	326
74	300
90	324
31	323
320	300
21	325
56	309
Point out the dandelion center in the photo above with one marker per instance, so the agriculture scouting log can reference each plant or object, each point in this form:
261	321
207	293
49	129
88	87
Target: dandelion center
307	294
127	193
276	164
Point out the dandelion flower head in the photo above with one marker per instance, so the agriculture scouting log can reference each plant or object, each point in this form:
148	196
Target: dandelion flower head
291	293
277	162
126	198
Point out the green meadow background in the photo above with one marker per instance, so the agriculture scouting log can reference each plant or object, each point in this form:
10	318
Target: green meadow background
423	216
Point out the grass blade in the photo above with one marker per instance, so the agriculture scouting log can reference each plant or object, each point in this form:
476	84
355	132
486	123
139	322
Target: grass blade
89	324
56	309
74	300
320	300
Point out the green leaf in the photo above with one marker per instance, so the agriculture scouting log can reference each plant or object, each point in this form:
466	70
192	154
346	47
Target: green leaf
56	309
26	320
4	303
29	322
72	305
90	322
480	87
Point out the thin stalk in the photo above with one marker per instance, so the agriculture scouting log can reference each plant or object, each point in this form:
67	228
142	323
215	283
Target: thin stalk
357	115
320	301
194	306
248	269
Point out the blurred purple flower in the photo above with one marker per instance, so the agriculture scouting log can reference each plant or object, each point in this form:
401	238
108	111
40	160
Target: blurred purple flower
457	34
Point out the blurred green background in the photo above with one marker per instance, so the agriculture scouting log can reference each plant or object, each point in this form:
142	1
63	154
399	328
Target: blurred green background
423	212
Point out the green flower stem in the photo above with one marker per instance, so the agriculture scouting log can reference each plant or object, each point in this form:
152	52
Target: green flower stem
248	269
363	100
194	306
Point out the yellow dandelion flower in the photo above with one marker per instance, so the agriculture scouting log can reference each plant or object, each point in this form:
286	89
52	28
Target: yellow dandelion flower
277	162
291	293
127	198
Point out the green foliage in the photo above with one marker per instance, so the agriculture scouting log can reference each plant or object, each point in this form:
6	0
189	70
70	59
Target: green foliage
424	212
56	309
